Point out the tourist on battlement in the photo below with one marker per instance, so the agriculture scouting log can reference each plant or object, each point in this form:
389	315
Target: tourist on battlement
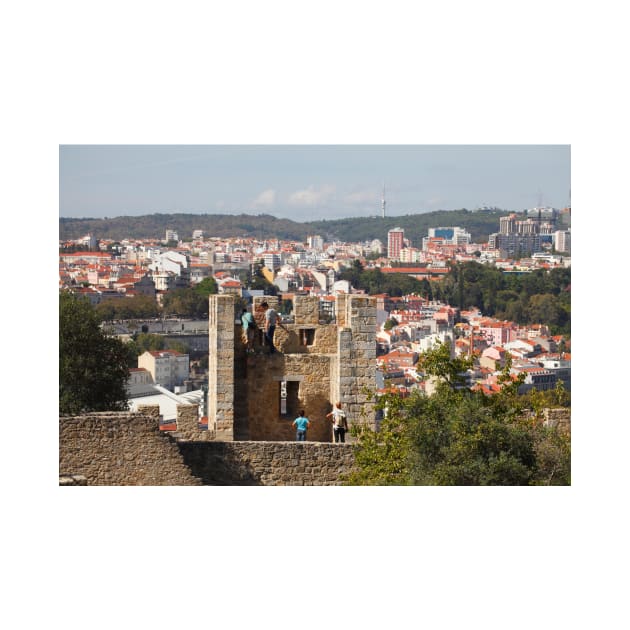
340	425
249	330
271	319
302	423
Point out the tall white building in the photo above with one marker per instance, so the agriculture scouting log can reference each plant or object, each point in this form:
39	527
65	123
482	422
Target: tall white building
315	242
562	240
272	260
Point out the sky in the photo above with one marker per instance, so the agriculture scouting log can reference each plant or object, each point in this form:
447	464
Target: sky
303	182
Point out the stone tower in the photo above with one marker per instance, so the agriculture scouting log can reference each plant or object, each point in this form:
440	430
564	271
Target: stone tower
257	397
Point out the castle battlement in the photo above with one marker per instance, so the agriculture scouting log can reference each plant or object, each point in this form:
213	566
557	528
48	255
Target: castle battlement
257	396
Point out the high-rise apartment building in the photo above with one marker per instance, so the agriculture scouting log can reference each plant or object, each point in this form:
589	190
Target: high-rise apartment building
395	243
562	239
522	238
315	242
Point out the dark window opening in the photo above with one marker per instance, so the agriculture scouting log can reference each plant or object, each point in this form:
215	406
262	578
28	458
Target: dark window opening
289	399
307	336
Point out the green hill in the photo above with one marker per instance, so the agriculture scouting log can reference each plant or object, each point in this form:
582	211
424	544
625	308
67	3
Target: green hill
479	224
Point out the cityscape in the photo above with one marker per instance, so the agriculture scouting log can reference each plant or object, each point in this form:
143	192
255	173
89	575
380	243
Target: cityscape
408	325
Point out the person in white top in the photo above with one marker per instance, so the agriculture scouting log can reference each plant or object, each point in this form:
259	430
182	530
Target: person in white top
340	424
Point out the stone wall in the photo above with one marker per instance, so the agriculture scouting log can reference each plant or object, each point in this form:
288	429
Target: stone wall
188	425
308	379
355	369
221	341
268	463
559	417
320	364
128	449
120	449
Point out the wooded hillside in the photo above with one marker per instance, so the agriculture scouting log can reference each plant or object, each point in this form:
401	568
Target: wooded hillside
479	224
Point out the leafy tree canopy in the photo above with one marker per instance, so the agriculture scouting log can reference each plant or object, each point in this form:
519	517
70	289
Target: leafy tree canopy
187	302
461	437
208	286
93	368
137	307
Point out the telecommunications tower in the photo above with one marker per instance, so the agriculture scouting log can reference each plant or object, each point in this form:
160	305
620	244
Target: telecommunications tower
383	202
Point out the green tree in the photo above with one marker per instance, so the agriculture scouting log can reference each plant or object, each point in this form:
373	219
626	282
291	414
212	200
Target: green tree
137	307
461	437
185	302
208	286
383	457
93	368
390	323
437	362
149	341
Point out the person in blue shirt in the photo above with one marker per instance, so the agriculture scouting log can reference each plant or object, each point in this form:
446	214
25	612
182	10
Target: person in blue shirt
301	423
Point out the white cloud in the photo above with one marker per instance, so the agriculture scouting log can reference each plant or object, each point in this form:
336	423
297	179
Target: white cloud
265	199
311	196
363	197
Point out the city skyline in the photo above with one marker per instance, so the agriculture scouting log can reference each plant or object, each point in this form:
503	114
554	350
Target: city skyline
306	182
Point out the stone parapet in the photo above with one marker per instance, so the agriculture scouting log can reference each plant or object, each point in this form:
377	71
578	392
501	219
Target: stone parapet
119	449
269	463
188	424
306	310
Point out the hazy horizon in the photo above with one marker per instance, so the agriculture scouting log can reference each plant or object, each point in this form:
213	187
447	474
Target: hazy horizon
308	182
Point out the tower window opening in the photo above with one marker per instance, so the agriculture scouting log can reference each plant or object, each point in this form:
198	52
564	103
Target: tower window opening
307	336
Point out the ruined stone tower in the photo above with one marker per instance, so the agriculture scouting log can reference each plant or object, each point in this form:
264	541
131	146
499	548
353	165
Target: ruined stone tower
257	396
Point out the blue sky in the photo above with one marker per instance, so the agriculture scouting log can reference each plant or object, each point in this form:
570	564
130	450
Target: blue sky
303	182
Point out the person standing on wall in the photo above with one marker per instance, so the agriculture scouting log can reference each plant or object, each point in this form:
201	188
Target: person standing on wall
340	424
271	318
249	330
301	423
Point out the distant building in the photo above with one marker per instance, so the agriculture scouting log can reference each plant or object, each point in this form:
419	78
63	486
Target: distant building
395	243
171	235
315	242
515	245
449	235
168	368
562	240
89	241
376	247
145	286
561	368
197	234
517	238
409	255
272	260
